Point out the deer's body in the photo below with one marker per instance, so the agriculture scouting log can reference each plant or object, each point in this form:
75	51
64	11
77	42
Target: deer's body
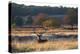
39	35
40	40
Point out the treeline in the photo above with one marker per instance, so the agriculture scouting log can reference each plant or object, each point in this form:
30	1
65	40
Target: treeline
22	10
19	11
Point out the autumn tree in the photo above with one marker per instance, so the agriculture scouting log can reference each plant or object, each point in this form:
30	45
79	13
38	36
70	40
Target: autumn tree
71	18
50	22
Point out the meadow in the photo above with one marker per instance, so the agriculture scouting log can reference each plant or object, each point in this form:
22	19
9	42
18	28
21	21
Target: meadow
47	46
22	41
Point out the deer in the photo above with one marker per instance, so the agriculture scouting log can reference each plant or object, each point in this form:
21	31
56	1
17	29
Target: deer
39	35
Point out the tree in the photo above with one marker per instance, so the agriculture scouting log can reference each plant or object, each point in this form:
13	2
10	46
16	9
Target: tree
29	20
50	22
71	18
19	21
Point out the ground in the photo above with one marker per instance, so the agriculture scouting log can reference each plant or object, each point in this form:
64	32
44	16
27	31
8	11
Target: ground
28	46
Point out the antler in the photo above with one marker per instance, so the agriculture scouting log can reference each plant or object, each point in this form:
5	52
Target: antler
39	35
45	28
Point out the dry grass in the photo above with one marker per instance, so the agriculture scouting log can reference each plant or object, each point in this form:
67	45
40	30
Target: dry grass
50	45
50	31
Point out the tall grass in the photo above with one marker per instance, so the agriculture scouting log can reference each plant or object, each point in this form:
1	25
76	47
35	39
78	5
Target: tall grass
50	45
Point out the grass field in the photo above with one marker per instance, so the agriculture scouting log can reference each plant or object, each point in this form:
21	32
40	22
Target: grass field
30	46
27	32
50	45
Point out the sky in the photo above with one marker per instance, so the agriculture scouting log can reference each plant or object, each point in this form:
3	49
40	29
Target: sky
64	3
